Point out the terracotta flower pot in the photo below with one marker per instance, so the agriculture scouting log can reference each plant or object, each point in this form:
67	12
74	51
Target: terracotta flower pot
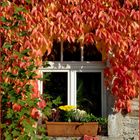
76	129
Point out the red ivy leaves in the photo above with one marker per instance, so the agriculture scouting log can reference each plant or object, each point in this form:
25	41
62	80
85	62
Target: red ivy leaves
116	24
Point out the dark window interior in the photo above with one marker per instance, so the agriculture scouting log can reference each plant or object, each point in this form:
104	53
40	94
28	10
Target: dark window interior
72	52
56	85
89	92
91	53
55	53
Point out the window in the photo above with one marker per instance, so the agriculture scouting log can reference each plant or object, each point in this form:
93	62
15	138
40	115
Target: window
76	75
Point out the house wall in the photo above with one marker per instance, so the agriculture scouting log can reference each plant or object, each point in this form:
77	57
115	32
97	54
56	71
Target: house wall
123	127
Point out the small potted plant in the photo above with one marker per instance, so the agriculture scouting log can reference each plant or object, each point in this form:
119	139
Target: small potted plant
70	121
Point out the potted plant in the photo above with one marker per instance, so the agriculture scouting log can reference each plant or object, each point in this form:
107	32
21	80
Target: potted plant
70	121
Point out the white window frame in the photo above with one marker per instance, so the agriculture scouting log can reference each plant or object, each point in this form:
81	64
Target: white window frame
72	68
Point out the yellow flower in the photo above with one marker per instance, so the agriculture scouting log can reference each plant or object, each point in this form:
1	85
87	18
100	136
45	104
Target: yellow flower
67	107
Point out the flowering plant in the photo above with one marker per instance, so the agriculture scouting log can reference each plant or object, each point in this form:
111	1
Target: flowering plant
69	113
67	107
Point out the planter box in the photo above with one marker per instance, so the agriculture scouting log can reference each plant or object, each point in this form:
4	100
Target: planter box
76	129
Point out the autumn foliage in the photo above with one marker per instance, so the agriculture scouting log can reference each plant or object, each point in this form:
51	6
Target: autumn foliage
112	25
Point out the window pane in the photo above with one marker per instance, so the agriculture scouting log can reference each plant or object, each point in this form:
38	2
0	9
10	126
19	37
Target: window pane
55	53
71	52
89	92
56	85
91	53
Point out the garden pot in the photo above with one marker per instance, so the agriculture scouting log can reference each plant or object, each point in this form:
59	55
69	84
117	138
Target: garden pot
76	129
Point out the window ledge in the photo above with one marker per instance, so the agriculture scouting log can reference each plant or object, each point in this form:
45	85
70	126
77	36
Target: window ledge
87	65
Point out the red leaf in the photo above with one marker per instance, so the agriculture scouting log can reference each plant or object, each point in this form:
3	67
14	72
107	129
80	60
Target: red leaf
41	104
16	107
35	113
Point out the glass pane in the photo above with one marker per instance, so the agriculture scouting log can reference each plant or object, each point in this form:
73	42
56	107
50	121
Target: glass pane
89	92
56	85
55	53
91	53
71	52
